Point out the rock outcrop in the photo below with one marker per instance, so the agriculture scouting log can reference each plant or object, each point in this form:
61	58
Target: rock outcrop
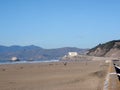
109	49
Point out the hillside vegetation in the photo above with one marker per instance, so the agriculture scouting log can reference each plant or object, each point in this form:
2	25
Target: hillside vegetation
109	49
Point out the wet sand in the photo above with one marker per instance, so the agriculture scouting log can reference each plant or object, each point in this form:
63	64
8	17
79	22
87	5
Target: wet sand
82	75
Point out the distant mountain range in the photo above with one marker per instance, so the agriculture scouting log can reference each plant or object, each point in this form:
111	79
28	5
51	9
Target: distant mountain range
35	53
108	49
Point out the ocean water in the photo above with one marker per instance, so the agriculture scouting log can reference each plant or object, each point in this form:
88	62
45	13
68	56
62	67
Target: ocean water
21	62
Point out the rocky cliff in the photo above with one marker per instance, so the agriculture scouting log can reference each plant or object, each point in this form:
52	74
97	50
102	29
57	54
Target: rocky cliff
109	49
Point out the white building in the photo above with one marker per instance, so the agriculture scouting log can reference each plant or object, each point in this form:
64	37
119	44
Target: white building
72	54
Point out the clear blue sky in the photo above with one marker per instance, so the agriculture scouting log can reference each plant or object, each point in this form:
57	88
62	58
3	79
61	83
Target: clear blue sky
59	23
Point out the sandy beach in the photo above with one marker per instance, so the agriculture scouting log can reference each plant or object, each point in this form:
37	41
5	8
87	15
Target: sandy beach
80	75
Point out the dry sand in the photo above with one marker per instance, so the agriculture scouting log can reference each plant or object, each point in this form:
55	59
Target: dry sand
82	75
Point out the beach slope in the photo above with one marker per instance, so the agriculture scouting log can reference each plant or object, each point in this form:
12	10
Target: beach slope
80	75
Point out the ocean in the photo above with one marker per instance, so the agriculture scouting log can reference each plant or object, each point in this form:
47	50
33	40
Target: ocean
25	61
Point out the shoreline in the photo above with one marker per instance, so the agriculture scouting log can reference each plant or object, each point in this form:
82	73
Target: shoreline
27	62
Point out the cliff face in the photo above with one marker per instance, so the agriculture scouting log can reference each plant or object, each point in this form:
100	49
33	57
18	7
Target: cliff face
109	49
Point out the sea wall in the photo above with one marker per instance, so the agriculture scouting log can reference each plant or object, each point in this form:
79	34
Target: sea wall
112	81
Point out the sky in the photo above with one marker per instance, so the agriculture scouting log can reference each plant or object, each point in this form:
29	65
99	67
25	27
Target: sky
59	23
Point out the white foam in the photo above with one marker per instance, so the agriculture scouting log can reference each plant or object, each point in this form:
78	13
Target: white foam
22	62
